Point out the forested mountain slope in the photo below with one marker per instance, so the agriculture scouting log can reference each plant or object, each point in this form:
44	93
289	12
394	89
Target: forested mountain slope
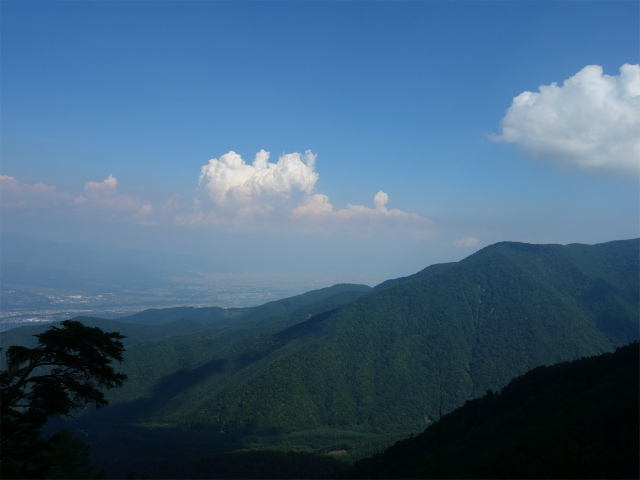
173	341
386	359
450	332
350	361
571	420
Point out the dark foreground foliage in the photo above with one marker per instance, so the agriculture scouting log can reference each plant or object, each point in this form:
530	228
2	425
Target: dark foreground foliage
571	420
246	465
69	368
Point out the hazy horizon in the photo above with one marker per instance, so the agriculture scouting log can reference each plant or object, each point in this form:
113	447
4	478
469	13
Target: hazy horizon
333	141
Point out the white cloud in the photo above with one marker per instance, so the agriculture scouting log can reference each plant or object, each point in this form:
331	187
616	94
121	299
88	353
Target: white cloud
230	181
106	194
98	196
270	196
318	210
466	242
10	185
590	123
261	197
21	195
316	206
107	186
380	200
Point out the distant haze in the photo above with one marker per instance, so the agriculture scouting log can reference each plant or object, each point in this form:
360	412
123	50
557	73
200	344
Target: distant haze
328	141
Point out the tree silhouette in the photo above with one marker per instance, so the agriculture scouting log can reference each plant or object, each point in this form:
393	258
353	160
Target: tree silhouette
68	369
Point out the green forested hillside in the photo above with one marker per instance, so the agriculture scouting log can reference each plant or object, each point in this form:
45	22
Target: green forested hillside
451	332
347	368
571	420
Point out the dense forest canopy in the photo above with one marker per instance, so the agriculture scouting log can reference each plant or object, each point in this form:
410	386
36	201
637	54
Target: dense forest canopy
571	420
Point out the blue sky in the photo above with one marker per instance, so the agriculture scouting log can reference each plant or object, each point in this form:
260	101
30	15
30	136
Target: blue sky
399	133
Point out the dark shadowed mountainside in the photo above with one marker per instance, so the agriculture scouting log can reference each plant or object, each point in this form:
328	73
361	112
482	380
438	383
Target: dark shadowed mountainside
571	420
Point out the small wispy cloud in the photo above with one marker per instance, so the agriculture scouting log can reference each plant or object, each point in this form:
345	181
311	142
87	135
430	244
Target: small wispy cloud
589	123
466	242
318	211
16	194
105	194
102	196
317	208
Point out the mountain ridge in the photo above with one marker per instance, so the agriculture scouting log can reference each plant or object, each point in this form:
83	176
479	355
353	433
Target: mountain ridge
486	319
351	361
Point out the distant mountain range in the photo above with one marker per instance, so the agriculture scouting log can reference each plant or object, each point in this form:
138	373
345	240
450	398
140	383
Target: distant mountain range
350	360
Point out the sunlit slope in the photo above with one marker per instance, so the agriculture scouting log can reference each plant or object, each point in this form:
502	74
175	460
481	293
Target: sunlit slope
448	333
167	374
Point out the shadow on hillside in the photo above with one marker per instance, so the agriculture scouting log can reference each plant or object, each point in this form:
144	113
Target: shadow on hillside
126	450
613	309
183	380
144	410
308	327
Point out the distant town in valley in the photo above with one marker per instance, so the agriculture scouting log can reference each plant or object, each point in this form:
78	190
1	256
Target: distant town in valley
45	281
28	304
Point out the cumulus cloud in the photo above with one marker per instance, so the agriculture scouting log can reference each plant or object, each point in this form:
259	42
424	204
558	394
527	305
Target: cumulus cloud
268	195
262	196
590	123
317	209
229	180
104	192
316	206
380	201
